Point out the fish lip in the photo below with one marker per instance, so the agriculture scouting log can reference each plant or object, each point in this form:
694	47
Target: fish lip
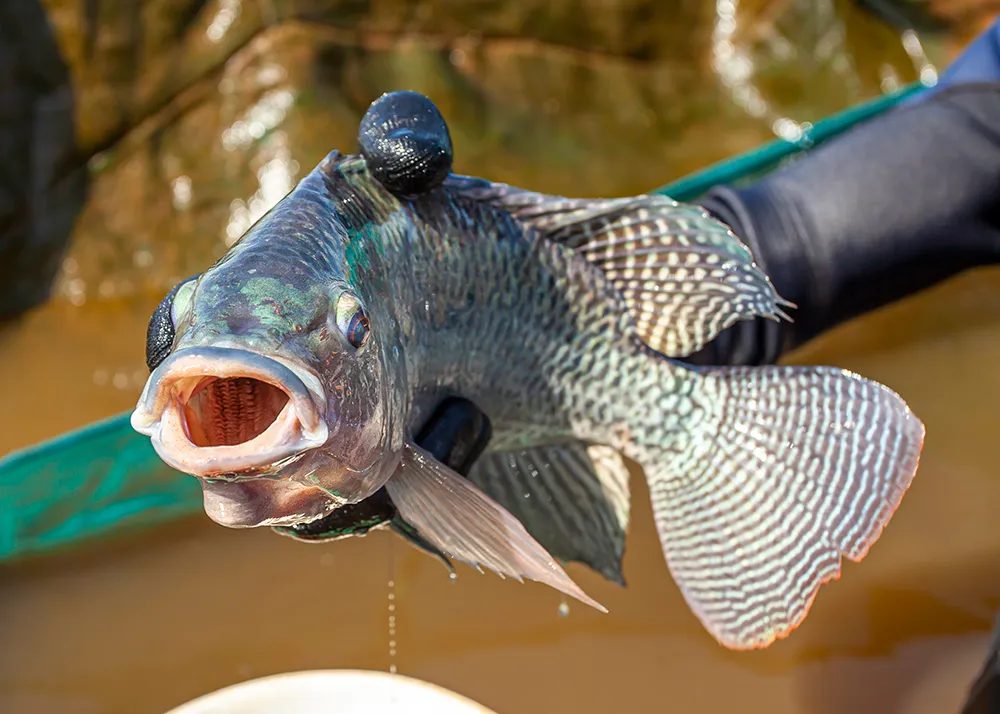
253	503
299	425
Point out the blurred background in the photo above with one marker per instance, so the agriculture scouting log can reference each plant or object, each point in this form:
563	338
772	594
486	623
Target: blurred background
142	138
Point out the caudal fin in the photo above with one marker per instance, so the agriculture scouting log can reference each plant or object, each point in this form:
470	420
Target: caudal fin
794	468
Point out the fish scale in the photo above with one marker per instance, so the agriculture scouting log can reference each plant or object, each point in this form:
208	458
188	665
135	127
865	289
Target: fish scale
617	383
559	318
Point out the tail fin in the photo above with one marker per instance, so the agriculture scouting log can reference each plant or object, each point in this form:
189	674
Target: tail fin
794	468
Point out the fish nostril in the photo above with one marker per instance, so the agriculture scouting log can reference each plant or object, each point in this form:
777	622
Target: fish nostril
226	411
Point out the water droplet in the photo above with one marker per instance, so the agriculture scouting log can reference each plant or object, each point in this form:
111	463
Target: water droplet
391	606
453	576
225	16
563	609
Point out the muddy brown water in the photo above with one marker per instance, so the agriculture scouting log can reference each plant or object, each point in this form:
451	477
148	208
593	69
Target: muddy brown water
145	620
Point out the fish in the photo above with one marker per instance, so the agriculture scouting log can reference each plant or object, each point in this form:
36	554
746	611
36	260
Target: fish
291	377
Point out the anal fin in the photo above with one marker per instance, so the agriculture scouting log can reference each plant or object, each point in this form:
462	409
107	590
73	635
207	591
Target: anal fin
573	498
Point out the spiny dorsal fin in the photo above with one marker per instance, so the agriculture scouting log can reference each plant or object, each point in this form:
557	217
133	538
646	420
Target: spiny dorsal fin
573	498
684	275
461	521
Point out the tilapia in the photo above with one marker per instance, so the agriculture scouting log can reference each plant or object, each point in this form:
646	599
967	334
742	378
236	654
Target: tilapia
291	376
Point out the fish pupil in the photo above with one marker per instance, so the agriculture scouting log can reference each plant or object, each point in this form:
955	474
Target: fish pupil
357	329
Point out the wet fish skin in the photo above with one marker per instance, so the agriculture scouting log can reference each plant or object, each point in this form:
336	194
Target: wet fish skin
545	312
450	314
273	294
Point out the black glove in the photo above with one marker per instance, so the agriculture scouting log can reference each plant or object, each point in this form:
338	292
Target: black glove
894	206
456	434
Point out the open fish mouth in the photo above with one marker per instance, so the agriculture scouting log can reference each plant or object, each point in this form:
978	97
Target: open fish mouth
213	411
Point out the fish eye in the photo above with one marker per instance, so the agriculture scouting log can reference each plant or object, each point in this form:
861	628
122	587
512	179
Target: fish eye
182	301
352	320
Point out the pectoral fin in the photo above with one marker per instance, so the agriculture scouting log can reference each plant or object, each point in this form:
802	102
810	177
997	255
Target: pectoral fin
454	516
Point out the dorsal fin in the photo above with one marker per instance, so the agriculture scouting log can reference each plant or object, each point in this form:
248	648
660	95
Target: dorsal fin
683	274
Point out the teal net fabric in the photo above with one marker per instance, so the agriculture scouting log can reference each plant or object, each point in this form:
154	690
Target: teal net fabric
91	481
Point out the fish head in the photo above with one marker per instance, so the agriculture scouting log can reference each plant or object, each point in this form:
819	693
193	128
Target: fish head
273	380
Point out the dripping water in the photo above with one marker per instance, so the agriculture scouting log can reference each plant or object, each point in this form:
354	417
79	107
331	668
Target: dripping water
391	608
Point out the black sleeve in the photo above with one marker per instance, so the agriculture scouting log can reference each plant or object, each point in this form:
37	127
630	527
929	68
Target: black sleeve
893	206
456	434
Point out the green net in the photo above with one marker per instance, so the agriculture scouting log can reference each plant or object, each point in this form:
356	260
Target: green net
765	158
106	477
90	481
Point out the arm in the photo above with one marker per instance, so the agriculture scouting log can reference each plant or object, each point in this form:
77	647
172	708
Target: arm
895	206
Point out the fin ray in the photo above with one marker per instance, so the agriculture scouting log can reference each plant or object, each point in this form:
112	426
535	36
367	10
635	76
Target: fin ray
703	277
457	518
573	498
798	468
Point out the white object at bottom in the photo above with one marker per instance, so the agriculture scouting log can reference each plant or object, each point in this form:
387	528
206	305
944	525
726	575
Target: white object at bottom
345	691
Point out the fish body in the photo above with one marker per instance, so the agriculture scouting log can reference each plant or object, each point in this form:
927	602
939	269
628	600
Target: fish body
302	364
